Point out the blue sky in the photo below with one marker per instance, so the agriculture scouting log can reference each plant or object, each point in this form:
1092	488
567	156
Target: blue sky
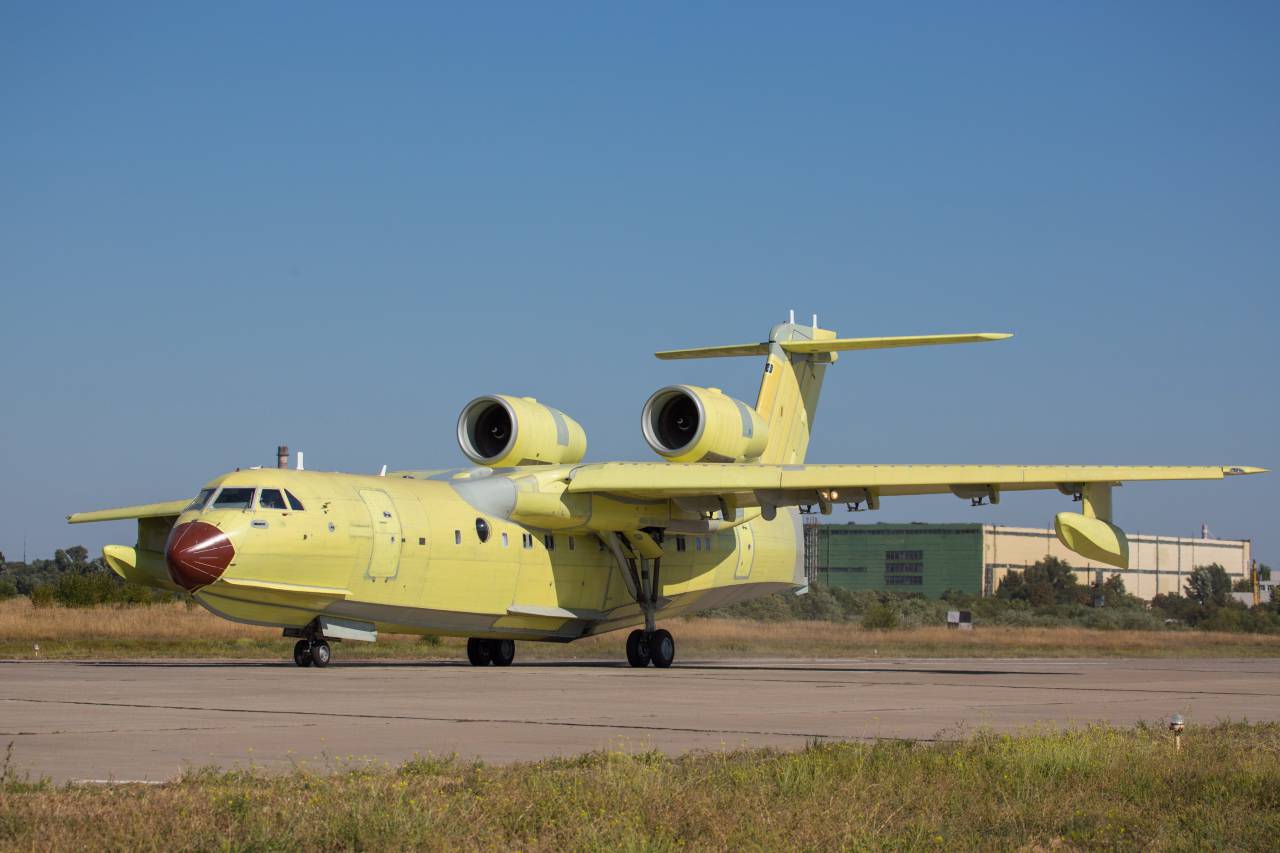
224	227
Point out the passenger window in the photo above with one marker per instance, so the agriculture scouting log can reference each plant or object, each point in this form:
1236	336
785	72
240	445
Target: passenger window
572	544
200	500
294	503
457	537
234	499
549	541
271	499
527	540
679	543
504	540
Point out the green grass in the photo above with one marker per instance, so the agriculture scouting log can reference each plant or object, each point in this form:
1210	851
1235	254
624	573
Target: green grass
1087	788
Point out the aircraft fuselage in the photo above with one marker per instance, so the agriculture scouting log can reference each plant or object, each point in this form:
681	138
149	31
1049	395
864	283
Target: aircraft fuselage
436	553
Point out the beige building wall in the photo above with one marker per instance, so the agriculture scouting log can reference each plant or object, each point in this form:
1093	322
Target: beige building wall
1157	564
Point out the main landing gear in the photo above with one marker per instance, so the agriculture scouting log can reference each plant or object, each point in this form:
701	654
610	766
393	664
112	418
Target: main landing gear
484	652
641	573
656	647
312	653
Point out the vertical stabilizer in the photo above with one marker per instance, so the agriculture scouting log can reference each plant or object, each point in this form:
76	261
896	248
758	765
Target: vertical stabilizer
789	391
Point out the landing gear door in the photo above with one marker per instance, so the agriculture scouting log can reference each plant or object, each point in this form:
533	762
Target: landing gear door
384	558
746	551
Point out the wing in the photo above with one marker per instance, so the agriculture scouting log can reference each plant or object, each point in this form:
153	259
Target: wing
791	485
160	510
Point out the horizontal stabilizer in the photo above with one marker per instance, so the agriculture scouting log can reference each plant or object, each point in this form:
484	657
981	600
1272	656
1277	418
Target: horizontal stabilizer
715	352
832	345
843	344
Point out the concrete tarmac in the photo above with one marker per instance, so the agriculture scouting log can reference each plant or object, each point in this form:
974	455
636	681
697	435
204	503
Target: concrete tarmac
147	720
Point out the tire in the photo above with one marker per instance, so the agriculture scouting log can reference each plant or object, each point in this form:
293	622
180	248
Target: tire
502	652
638	649
479	652
321	654
302	653
662	648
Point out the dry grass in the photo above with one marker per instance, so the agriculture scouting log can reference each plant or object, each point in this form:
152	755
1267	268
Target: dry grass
176	630
1094	788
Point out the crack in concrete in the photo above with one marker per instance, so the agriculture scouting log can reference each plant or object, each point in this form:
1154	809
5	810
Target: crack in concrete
459	720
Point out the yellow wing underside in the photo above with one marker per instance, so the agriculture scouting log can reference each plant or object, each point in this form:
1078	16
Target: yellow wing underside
646	480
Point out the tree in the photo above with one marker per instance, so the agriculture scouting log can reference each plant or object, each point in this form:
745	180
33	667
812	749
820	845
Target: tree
1013	587
1048	581
1114	592
1209	585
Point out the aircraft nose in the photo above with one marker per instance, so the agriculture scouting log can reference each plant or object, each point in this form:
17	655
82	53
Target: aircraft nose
197	554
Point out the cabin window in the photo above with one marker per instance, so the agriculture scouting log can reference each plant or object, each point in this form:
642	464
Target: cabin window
697	543
199	500
572	544
527	540
294	503
504	540
680	543
234	499
482	529
457	537
271	499
549	541
599	544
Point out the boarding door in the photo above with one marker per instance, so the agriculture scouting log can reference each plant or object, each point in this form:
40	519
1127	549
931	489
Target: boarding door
384	559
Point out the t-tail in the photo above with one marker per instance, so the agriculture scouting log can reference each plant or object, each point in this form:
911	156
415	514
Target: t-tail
797	358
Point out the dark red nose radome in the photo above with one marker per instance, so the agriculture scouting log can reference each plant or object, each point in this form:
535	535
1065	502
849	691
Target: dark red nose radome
197	553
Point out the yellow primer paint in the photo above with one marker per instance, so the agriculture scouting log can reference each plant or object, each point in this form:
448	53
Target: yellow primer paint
528	551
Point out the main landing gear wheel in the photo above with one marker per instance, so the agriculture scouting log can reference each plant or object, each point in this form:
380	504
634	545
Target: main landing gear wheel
503	652
496	652
302	653
480	653
320	653
662	648
637	649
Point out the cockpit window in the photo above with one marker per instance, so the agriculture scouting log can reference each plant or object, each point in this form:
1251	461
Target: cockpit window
271	499
294	503
200	500
234	499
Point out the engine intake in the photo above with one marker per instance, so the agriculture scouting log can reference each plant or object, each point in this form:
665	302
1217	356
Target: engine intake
685	423
501	431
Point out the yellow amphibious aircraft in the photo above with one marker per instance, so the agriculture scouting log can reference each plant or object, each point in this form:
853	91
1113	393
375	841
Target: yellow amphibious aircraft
534	544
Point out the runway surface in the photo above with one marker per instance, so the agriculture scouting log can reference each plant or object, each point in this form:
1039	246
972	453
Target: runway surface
134	720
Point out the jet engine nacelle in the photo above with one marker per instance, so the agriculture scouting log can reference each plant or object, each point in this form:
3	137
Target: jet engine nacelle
684	423
501	431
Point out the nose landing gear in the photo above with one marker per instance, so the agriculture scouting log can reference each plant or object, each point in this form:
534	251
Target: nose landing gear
312	653
484	652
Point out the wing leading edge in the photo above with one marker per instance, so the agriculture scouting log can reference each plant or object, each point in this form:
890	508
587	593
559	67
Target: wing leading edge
664	479
157	510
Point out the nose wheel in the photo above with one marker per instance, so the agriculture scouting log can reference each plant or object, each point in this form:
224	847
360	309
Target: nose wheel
657	647
312	653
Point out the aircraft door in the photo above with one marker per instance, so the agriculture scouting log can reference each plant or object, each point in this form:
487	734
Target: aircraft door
384	559
746	551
